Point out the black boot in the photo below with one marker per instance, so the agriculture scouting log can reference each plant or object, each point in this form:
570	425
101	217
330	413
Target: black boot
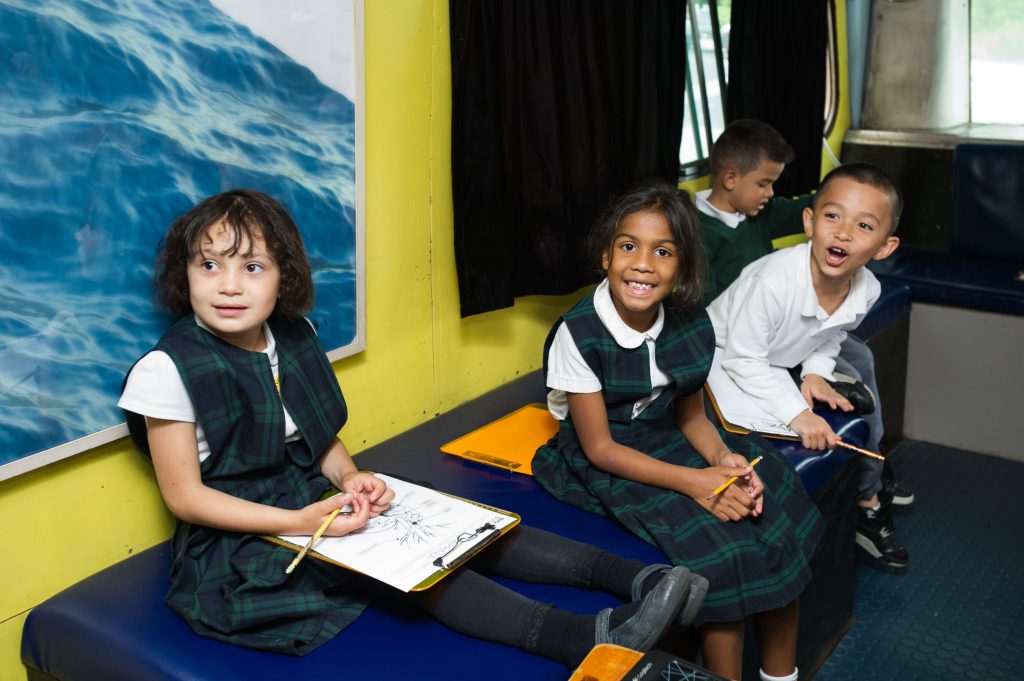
875	535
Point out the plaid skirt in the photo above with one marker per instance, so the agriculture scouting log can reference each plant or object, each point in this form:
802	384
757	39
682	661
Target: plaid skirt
755	565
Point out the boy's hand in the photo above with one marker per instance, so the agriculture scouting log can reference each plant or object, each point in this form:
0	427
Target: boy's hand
814	431
815	387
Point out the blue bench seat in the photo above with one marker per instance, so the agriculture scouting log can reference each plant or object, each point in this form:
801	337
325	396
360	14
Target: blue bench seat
115	625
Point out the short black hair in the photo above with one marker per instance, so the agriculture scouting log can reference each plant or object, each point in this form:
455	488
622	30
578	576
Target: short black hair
745	143
871	175
676	206
247	213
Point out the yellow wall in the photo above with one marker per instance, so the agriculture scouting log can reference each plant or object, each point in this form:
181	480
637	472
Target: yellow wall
70	519
73	518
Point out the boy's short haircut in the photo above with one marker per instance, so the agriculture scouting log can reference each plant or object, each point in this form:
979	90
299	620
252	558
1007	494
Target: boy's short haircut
873	176
745	143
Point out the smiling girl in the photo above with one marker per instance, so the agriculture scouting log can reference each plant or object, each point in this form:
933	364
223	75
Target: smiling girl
625	368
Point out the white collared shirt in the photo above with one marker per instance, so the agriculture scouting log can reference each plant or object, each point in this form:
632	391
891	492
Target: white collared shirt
770	316
155	389
568	372
731	220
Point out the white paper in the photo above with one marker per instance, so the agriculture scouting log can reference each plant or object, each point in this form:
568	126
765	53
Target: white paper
738	408
399	546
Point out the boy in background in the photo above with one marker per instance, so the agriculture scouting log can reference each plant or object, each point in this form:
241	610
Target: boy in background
794	308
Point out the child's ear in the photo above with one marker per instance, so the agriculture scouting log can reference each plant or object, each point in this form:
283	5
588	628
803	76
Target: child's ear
729	179
605	261
886	249
808	216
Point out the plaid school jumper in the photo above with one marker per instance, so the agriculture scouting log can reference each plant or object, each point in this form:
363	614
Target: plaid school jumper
754	565
232	586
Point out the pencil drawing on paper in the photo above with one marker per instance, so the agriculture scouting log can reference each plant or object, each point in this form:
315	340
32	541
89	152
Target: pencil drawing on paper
408	524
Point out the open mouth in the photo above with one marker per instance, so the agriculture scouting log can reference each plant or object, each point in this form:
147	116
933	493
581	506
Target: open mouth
835	256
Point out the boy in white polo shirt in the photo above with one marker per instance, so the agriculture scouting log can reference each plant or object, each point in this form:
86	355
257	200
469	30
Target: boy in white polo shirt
794	308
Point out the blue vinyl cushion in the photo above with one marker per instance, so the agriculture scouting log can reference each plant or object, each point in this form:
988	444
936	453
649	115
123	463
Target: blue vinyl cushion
115	625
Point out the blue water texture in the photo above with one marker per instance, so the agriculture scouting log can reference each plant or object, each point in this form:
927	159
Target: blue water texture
116	116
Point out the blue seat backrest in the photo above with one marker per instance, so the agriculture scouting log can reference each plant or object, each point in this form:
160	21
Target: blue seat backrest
987	206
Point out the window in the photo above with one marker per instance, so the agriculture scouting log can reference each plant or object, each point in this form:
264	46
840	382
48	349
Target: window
997	61
707	68
707	49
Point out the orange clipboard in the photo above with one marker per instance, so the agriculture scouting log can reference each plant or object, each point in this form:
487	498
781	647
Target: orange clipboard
509	442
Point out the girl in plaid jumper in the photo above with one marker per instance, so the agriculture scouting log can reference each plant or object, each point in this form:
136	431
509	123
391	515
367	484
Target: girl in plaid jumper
239	411
625	368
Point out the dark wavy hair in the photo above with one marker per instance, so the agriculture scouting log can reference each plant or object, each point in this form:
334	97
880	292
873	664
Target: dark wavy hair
745	143
676	206
246	213
871	175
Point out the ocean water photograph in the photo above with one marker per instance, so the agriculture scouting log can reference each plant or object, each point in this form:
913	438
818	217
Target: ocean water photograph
116	116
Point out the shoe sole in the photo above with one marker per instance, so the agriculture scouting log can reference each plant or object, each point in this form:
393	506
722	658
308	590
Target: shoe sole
902	501
870	549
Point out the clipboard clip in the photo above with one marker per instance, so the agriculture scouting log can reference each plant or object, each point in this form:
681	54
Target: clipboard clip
467	544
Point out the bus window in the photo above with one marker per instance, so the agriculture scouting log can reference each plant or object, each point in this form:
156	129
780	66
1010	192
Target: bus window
997	61
707	50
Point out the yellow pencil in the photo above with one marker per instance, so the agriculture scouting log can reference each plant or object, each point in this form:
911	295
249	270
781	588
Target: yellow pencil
312	540
733	479
859	450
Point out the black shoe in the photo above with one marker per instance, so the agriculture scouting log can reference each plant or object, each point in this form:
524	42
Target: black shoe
658	610
697	590
897	493
875	536
859	395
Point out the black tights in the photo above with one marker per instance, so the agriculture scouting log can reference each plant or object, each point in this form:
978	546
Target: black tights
472	604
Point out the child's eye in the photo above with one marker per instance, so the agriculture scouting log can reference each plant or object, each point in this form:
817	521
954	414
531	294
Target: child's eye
627	246
866	225
208	265
663	252
832	215
254	267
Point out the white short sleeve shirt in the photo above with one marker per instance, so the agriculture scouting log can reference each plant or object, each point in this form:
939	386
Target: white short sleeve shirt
155	389
568	372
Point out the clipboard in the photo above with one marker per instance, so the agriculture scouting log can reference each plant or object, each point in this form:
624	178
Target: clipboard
509	442
434	531
736	411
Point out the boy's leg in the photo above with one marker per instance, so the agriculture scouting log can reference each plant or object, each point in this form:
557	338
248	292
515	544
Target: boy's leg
855	359
874	518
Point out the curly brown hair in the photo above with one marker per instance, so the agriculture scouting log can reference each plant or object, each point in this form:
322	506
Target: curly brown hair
248	213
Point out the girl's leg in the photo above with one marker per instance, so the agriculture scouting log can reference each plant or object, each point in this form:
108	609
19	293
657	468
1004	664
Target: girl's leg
777	634
532	555
476	606
721	645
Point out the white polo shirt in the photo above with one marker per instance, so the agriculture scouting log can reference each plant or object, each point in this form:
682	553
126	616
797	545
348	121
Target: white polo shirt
568	372
770	316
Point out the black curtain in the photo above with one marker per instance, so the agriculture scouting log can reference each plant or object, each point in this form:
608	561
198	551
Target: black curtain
557	105
777	51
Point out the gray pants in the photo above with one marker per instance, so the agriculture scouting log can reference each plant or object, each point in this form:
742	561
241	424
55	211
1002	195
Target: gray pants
855	359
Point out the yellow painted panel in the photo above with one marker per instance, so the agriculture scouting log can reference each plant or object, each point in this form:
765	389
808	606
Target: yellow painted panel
73	518
10	648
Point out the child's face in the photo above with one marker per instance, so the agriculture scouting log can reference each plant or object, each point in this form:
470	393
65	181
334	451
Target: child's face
642	266
849	226
749	192
233	294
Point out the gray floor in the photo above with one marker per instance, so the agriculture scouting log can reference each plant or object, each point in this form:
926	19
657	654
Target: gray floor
957	612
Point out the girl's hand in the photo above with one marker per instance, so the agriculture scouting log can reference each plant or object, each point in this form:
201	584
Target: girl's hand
347	521
370	488
738	501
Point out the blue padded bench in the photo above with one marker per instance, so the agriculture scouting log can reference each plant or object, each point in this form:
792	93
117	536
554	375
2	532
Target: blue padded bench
984	268
114	624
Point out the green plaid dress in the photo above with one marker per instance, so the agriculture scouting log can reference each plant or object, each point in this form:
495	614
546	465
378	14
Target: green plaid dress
755	565
232	586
